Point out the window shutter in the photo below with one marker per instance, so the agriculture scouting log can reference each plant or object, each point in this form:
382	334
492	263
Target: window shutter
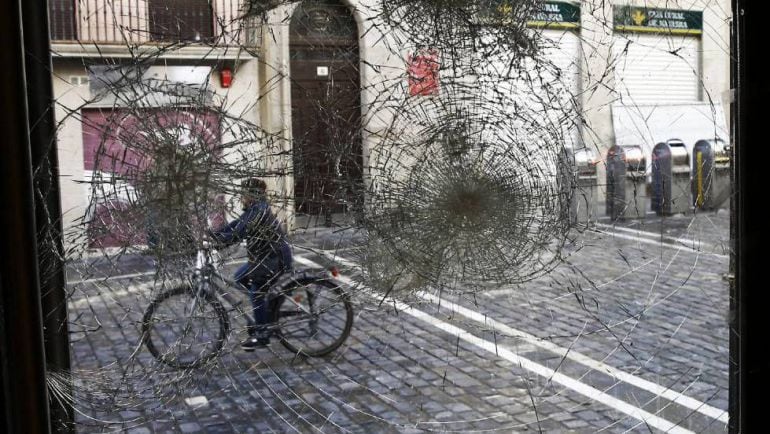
61	14
181	20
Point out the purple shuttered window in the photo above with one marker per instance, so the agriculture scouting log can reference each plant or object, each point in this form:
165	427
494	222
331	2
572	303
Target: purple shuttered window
61	14
119	147
181	20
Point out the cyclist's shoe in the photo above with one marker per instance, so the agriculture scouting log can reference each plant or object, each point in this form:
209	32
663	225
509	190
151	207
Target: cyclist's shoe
254	342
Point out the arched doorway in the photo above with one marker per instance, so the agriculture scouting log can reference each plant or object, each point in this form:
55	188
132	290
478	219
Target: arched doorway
326	109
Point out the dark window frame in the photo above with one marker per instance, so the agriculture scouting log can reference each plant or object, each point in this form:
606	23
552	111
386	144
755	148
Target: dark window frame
180	20
22	374
62	15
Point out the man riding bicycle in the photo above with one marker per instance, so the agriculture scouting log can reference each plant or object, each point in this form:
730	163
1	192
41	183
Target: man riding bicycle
269	254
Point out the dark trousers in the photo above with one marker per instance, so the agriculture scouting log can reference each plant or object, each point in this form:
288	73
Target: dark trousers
257	277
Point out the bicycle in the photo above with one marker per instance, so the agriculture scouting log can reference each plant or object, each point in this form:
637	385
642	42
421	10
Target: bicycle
187	326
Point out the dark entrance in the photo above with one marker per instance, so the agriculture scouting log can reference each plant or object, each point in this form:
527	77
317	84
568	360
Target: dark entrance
326	109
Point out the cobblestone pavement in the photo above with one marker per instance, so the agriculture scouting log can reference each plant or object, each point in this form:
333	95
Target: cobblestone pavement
629	333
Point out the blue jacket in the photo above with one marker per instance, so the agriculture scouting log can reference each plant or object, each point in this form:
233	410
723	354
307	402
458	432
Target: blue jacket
262	231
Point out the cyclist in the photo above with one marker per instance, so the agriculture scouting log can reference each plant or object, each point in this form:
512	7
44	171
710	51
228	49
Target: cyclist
268	249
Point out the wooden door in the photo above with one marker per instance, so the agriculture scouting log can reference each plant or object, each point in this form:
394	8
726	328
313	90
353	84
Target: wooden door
325	109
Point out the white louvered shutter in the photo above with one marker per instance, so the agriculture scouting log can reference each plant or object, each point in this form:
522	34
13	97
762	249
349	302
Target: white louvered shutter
658	68
562	48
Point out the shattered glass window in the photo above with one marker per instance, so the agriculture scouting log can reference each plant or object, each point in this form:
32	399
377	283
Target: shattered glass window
393	215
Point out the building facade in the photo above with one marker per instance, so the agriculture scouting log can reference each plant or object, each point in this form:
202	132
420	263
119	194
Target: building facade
312	75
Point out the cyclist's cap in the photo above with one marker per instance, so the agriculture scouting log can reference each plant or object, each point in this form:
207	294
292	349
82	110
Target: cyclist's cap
254	186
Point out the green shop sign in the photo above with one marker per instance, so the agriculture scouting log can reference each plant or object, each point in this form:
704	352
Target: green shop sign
556	15
548	14
639	19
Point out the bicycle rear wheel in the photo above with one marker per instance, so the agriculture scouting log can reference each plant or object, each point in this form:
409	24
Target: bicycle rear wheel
313	317
183	329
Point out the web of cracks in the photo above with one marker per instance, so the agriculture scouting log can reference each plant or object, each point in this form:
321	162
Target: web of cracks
452	230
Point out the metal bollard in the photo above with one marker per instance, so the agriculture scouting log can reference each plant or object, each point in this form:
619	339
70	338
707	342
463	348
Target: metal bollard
670	178
637	199
616	180
583	205
626	182
711	174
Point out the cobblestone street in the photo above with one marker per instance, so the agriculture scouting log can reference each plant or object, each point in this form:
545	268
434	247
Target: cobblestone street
628	333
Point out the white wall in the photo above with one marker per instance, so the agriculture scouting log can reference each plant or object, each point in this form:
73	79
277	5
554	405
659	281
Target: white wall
70	140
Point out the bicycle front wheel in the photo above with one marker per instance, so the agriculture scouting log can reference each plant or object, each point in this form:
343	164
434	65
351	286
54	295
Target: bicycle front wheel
183	329
313	318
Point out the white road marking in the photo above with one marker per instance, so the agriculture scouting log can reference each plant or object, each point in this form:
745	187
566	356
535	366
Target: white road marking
104	278
671	395
660	244
132	275
103	297
696	244
507	354
545	372
509	291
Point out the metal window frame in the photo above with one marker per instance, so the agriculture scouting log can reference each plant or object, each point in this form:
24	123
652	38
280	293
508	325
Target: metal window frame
25	353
